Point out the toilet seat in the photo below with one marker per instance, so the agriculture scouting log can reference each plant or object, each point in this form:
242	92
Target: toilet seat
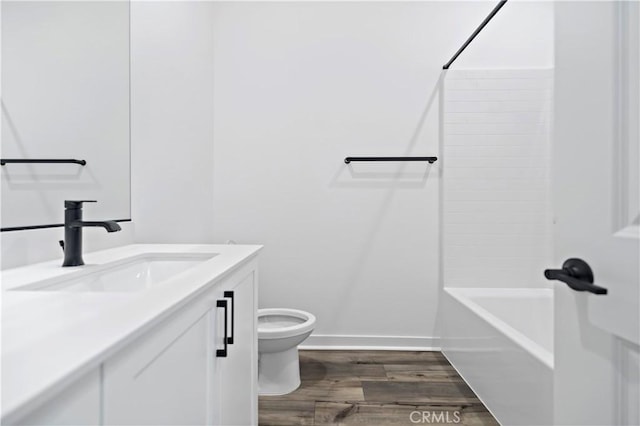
278	323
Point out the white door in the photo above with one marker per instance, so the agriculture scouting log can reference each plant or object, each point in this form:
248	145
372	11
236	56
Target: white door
595	186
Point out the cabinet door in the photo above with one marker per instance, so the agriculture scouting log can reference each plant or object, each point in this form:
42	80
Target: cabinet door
239	371
166	377
78	404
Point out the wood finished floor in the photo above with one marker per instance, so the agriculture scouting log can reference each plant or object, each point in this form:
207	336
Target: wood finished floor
375	388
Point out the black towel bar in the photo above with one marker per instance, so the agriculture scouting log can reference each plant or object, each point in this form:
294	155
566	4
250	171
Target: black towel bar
429	159
4	161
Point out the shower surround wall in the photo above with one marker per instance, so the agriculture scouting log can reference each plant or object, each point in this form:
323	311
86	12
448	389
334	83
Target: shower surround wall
496	188
283	92
496	240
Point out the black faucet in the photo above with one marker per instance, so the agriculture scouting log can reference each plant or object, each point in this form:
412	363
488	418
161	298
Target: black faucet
73	225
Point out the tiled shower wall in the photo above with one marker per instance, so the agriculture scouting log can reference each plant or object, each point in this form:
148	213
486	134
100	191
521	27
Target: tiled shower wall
496	212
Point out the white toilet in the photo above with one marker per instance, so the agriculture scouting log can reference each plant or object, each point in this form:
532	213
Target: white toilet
280	331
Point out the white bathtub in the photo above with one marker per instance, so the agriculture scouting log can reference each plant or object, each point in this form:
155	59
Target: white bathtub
501	342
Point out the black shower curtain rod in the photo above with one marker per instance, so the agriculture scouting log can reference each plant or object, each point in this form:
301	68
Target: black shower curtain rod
475	33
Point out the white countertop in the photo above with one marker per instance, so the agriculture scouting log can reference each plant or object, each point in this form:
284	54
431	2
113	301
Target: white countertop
52	338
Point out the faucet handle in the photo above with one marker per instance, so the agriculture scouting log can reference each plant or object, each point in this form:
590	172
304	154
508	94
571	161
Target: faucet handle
76	204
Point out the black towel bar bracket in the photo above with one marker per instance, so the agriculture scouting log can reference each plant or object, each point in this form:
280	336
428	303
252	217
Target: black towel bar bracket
4	161
429	159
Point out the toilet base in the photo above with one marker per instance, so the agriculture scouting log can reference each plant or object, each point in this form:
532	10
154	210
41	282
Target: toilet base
278	372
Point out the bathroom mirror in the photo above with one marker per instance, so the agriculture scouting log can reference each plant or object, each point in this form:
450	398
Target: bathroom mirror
65	95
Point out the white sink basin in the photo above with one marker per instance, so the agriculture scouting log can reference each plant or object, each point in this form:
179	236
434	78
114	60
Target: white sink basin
129	275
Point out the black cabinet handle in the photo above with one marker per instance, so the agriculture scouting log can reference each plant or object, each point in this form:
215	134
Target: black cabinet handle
229	294
223	352
577	274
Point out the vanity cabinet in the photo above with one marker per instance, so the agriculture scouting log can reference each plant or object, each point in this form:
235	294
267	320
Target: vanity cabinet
77	404
176	372
164	378
179	373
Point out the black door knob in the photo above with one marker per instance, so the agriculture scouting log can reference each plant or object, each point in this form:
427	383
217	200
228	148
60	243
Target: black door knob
577	274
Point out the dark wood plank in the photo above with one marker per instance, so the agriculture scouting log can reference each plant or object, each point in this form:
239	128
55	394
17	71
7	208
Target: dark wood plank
337	390
314	367
436	363
425	366
333	413
428	372
422	376
419	392
285	412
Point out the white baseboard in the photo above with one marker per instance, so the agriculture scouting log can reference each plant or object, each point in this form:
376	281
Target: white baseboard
357	342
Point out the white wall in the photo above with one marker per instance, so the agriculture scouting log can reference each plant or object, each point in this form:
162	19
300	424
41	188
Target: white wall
296	88
172	121
496	187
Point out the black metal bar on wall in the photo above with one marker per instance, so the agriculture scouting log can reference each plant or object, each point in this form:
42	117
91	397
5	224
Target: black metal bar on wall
4	161
429	159
53	225
475	33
